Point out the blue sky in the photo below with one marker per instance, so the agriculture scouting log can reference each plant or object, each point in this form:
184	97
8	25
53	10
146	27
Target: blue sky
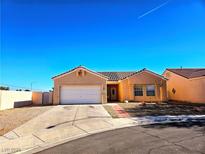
42	38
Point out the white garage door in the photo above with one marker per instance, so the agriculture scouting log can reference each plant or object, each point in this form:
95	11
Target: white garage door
80	94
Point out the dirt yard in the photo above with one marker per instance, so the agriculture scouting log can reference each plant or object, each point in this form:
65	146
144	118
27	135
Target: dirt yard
12	118
138	110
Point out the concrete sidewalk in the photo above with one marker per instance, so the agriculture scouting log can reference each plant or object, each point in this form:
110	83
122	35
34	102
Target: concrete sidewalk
58	125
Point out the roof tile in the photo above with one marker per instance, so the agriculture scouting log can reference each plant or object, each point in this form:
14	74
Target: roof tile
115	76
189	72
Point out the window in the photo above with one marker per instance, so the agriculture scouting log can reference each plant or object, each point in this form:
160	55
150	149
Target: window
138	90
150	90
113	91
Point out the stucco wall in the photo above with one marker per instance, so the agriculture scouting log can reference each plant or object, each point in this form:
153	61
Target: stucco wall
37	98
187	90
123	90
11	99
126	87
74	79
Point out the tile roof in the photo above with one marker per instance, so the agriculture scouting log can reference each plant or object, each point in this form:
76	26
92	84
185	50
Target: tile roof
111	76
115	76
189	72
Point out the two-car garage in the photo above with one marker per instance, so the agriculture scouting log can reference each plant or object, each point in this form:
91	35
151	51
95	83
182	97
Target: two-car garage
80	86
80	94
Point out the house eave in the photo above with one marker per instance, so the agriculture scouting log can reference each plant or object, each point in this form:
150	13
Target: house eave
81	67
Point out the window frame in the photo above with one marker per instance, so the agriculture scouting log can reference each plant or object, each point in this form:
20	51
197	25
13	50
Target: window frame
150	92
140	92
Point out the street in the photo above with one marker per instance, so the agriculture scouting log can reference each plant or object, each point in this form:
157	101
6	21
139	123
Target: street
152	139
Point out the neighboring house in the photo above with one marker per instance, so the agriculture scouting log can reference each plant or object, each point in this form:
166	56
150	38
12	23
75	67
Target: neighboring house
186	85
81	85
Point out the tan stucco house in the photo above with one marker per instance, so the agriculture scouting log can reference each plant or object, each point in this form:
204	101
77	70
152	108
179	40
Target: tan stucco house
81	85
187	85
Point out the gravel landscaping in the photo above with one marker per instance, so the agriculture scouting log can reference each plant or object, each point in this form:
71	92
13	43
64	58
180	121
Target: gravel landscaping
12	118
158	109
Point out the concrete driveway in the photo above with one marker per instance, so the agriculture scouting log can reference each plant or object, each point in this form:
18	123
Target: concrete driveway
59	116
59	124
139	140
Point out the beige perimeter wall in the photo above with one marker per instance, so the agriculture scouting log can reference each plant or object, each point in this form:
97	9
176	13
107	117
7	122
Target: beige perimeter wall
126	87
11	99
74	79
187	90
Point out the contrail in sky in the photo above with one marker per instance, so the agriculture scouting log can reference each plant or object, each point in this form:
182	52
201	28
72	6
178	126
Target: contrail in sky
154	9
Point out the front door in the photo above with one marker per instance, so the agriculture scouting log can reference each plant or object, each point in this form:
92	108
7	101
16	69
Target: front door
113	93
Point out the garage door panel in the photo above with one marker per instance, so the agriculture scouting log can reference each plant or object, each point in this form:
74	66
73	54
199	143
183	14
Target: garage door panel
80	94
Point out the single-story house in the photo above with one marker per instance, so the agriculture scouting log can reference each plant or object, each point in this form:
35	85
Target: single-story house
187	85
82	85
